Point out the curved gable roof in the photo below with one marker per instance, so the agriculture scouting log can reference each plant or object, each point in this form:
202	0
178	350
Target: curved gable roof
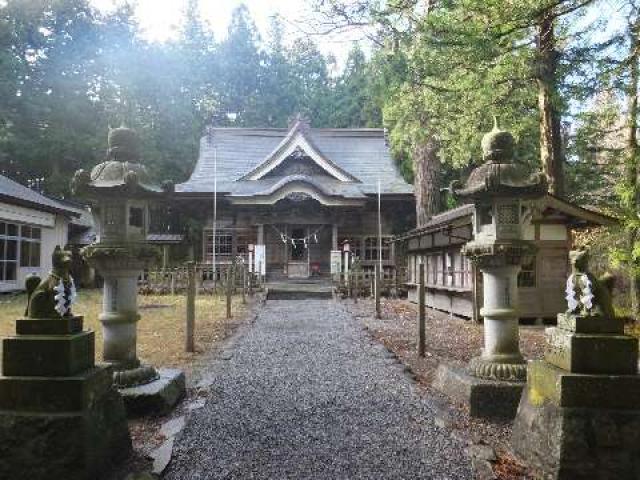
296	140
360	153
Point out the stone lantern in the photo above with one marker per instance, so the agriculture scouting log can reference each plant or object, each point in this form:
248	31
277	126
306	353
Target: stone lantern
498	189
494	380
119	191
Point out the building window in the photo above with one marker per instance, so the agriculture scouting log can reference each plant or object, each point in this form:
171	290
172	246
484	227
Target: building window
224	243
229	242
9	239
30	246
371	248
527	275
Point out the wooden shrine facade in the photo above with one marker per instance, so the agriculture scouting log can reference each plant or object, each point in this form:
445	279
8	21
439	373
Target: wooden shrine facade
296	195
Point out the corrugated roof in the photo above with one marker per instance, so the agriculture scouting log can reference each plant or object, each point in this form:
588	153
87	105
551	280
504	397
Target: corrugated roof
20	194
361	152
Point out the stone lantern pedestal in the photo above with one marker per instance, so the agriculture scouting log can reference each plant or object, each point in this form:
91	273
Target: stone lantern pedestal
492	383
120	191
500	264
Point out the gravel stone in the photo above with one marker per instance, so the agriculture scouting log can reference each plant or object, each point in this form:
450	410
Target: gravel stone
307	396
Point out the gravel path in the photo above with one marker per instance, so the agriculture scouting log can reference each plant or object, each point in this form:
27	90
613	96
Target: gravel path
304	393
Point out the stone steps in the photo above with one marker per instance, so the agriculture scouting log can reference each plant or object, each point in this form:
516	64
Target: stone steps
299	290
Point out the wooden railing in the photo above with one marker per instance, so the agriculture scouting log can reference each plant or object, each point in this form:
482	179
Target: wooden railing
173	281
359	282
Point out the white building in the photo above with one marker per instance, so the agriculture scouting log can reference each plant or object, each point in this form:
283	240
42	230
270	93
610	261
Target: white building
31	225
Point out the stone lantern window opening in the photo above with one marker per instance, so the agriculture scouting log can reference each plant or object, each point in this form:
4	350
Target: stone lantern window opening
136	217
485	216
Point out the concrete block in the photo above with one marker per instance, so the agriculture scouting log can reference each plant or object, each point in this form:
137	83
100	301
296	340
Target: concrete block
72	445
580	324
567	443
54	394
54	326
548	383
157	397
48	355
485	398
592	353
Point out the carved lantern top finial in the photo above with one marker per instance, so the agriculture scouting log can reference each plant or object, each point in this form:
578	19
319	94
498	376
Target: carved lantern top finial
500	175
124	145
498	145
121	173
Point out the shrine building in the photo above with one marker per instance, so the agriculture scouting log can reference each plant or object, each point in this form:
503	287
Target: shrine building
294	195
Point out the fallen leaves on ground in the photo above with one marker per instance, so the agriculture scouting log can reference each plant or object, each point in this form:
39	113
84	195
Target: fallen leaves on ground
449	339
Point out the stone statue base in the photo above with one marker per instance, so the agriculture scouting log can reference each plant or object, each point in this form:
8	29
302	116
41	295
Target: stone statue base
491	399
579	417
60	416
579	426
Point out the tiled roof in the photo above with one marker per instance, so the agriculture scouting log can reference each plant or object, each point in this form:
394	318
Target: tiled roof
438	220
362	153
13	192
165	237
266	186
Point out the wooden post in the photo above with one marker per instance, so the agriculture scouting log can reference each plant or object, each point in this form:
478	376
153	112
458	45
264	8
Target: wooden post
421	312
173	282
244	284
191	307
376	279
229	289
356	284
395	282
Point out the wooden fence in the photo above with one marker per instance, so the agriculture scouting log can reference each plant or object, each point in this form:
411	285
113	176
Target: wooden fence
173	281
360	282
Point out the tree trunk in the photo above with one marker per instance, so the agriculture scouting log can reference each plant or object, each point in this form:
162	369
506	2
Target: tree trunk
551	151
426	166
631	165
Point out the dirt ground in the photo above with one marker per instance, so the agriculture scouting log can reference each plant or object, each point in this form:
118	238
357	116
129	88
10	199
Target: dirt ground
449	339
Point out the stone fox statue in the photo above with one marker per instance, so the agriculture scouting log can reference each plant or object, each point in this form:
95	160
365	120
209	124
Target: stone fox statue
587	295
53	296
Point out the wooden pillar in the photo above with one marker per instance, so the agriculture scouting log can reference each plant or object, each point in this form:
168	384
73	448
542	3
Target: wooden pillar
356	285
421	312
334	236
229	288
261	234
286	251
244	284
191	307
165	257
